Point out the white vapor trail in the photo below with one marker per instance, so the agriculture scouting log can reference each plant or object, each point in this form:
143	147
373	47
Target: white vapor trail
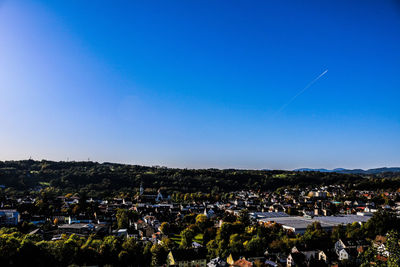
301	91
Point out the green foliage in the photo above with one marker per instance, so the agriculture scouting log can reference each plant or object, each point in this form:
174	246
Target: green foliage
25	250
159	255
316	237
256	246
393	247
165	228
187	236
122	218
244	217
102	180
381	223
370	258
338	232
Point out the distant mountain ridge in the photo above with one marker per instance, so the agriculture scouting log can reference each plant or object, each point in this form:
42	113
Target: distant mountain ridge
354	171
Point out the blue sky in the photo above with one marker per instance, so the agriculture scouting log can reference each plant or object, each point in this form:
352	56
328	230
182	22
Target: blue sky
199	84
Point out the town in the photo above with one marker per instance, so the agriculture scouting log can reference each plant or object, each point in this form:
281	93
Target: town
199	133
325	225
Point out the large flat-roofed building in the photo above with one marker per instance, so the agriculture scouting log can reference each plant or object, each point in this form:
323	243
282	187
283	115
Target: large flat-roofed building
345	219
263	215
298	225
82	229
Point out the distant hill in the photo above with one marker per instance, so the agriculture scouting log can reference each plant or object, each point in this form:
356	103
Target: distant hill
103	179
312	170
354	171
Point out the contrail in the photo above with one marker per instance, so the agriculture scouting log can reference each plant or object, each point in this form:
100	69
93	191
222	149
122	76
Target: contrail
300	92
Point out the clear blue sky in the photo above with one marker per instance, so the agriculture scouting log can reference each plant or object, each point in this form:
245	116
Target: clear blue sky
199	84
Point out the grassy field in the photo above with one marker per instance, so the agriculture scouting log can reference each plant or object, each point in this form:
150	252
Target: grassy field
198	238
177	239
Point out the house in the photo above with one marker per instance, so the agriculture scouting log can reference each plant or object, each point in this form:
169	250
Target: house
9	217
139	225
209	213
148	231
238	261
121	233
359	245
296	259
307	252
343	254
242	262
326	212
275	255
217	262
327	256
159	196
187	257
230	260
347	253
380	244
196	245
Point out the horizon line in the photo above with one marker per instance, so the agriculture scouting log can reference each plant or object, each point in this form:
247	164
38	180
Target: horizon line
202	168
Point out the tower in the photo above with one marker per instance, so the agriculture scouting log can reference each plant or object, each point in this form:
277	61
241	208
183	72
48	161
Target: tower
141	190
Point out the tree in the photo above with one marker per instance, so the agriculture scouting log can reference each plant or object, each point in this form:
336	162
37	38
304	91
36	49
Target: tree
203	222
370	258
353	231
380	223
189	218
229	217
134	252
236	244
124	258
187	236
110	248
168	243
69	250
316	237
209	234
255	246
212	247
225	231
159	255
9	245
393	247
165	228
122	219
244	217
201	218
338	232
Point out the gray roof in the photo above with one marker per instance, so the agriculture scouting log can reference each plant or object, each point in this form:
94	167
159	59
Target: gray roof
262	215
345	219
299	223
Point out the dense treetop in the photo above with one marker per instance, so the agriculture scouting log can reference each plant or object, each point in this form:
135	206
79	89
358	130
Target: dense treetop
111	177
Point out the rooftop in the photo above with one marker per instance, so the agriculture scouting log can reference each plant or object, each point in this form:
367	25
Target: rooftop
298	222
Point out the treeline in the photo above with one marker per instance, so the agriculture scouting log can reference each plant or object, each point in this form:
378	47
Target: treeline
109	177
237	237
18	249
